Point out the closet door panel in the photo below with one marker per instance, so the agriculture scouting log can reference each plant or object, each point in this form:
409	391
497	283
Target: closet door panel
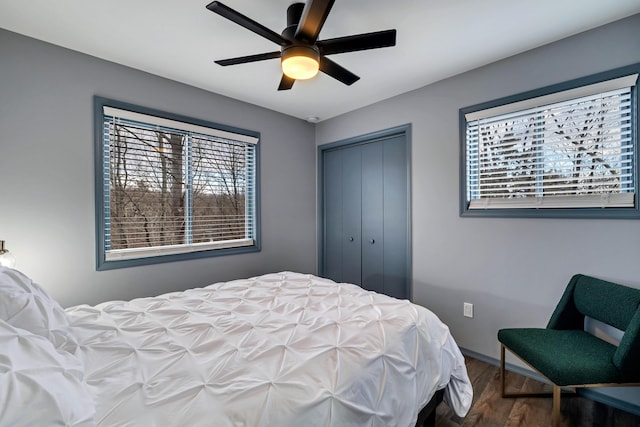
396	227
372	217
352	215
333	215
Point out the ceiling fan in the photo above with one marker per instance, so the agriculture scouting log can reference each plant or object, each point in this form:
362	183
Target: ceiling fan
302	55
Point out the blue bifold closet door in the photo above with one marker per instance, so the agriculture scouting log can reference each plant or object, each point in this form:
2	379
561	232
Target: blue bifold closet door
365	191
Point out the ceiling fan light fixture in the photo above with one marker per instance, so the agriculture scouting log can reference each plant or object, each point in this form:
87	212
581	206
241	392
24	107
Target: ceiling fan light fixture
301	54
300	62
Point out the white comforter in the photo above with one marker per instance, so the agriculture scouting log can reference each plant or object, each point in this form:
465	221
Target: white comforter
277	350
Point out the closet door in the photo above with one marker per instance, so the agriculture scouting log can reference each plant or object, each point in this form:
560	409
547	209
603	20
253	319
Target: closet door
366	236
332	215
396	227
352	215
373	217
385	243
342	244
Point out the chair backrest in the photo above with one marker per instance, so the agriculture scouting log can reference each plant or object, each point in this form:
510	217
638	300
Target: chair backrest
607	302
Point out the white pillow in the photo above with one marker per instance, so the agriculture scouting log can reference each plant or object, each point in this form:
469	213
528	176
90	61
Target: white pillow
26	305
40	386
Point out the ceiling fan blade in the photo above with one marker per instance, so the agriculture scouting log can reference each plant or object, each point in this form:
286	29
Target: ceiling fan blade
286	83
338	72
314	14
249	58
357	42
246	22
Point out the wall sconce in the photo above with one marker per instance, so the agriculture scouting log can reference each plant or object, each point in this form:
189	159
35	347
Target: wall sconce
6	258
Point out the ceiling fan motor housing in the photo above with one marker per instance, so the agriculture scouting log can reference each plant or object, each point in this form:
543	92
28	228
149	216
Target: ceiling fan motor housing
304	54
297	47
294	13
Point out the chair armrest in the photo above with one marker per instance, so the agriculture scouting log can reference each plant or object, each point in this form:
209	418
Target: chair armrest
628	353
566	315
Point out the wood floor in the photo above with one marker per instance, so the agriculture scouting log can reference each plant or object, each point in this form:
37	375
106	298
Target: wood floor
491	410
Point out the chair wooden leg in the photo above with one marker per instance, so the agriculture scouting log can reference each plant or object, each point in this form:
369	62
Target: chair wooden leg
503	379
557	392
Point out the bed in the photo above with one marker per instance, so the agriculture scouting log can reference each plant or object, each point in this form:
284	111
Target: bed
284	349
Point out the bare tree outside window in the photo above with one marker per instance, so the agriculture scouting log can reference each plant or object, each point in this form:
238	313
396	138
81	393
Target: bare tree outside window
564	152
219	191
508	153
575	148
149	184
585	153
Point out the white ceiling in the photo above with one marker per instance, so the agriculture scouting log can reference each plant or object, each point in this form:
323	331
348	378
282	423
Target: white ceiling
179	40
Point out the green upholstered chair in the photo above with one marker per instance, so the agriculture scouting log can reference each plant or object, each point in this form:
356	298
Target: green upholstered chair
570	357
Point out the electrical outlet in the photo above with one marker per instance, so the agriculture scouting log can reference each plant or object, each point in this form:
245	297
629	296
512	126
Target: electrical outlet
468	309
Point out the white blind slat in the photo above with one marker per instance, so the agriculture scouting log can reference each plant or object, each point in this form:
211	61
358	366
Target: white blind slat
613	200
174	124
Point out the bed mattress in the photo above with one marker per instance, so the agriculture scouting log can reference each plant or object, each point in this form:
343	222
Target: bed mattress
283	349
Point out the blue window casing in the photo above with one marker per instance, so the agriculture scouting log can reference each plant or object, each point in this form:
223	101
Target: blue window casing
101	153
588	213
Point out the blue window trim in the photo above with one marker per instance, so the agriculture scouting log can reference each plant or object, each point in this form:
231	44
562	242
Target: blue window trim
101	263
588	213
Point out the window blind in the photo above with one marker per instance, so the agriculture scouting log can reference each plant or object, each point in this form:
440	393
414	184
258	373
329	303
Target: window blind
172	187
556	151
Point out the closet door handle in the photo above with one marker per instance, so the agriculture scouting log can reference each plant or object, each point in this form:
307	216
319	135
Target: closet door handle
351	239
372	241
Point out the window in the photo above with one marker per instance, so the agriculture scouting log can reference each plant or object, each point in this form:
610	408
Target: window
564	151
170	188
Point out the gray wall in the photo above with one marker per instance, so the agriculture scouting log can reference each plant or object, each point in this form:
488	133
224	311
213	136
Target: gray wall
512	270
47	174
